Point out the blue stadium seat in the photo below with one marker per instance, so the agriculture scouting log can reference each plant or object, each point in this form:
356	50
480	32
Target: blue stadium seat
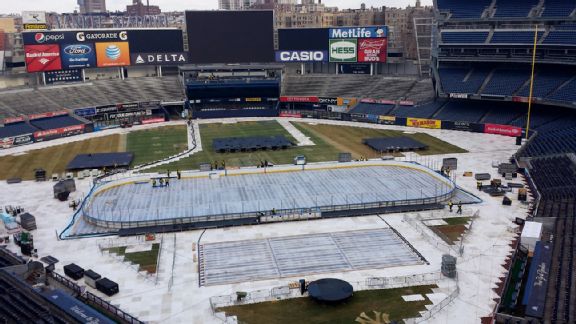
545	82
561	37
16	129
558	8
506	82
465	37
371	109
514	8
464	9
462	80
422	111
565	93
514	37
470	111
55	122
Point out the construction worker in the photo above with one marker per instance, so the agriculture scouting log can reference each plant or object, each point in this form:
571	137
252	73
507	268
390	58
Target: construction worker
450	205
459	211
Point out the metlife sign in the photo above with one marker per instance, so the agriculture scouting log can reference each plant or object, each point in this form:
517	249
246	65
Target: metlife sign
344	50
358	32
301	56
159	58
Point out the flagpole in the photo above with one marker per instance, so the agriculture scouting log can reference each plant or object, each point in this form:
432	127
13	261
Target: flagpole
532	82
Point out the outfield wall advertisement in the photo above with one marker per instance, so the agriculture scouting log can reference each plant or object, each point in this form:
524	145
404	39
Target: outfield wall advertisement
338	45
424	123
63	50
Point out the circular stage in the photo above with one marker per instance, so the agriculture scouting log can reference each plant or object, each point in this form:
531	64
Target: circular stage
263	195
330	291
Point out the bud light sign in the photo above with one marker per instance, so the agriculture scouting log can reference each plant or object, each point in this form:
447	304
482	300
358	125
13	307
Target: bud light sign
301	56
343	50
78	56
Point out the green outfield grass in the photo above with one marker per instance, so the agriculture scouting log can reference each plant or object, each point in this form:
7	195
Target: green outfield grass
330	140
146	260
157	143
305	310
54	159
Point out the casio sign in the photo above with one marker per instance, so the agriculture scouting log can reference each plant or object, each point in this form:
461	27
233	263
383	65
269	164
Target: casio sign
301	56
77	49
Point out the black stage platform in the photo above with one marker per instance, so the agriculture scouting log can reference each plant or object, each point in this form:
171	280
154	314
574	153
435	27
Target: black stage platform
100	161
330	291
394	144
243	144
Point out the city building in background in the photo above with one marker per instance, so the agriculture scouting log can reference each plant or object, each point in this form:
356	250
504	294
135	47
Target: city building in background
92	6
137	8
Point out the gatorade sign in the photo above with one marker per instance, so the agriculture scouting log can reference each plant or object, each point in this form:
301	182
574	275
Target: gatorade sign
344	50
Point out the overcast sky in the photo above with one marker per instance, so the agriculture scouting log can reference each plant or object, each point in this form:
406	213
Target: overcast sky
17	6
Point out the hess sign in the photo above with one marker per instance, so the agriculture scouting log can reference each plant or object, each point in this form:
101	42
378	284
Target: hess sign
301	56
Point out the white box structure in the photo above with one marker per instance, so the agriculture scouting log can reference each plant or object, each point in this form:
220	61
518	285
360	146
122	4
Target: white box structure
531	234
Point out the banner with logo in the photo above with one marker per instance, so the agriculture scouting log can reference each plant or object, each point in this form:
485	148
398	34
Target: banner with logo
33	17
423	123
153	121
387	120
505	130
358	32
159	58
299	99
301	56
110	54
12	120
343	50
372	50
59	132
328	101
48	115
350	68
78	56
41	58
85	112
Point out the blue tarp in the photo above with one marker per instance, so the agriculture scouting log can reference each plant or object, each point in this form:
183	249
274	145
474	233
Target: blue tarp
535	294
100	160
75	308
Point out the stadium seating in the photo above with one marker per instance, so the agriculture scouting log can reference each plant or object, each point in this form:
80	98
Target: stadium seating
371	109
464	9
472	111
505	82
514	37
503	113
545	82
565	93
101	92
16	129
422	111
514	8
462	80
561	37
55	122
465	37
558	8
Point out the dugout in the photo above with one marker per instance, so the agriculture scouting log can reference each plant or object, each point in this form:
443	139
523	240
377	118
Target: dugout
74	271
107	287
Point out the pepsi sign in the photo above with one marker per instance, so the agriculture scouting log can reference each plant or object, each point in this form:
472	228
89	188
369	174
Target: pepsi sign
78	56
301	56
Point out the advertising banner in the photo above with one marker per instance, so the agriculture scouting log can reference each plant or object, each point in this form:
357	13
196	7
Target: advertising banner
505	130
459	95
6	142
111	54
253	99
72	75
41	58
328	101
23	139
343	50
387	120
159	58
153	121
78	56
424	123
106	109
48	115
346	101
301	56
359	32
289	114
372	50
34	26
378	101
33	17
59	132
149	104
12	120
406	103
125	106
85	112
299	99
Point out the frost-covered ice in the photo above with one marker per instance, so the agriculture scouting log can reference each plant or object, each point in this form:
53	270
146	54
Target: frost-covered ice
485	248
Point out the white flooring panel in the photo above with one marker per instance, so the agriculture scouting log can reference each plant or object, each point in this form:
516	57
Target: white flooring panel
241	261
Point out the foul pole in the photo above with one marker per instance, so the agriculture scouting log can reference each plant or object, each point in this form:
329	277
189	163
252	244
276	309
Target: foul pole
532	81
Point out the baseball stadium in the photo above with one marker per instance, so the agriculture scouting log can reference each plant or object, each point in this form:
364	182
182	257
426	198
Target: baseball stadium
247	165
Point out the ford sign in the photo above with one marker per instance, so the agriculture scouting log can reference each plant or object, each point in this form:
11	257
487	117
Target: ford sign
77	49
301	56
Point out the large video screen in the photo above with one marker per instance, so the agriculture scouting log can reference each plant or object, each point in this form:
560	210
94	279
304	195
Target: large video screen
303	39
230	36
63	50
